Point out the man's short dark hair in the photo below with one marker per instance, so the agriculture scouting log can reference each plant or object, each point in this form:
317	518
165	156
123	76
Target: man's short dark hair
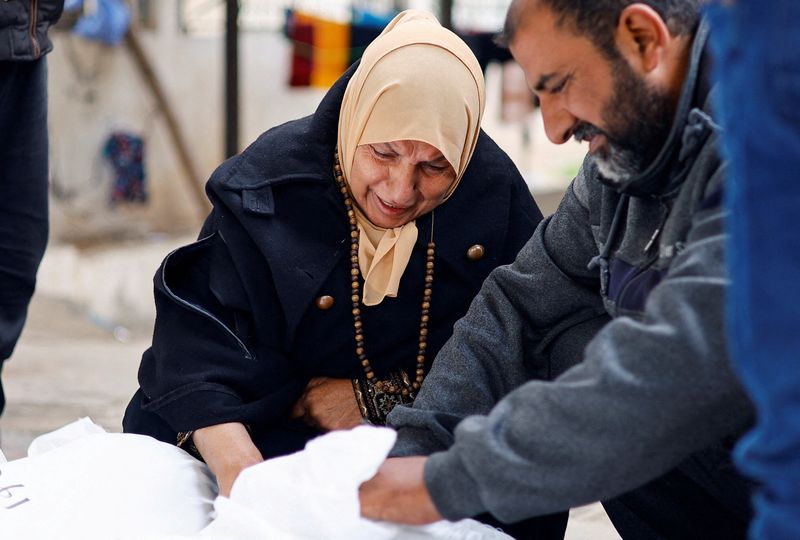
597	19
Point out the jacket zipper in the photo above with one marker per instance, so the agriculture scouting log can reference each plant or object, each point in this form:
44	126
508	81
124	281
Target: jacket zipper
650	243
641	270
205	313
34	14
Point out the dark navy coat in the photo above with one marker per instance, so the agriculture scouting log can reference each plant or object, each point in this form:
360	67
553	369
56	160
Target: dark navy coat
238	334
23	28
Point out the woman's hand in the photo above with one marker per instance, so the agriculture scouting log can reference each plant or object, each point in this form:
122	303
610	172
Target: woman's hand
227	450
328	404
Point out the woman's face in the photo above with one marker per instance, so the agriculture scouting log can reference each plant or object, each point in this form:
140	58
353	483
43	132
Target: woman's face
396	182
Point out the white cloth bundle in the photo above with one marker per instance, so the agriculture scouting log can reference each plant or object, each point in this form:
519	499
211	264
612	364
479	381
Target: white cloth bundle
313	494
80	482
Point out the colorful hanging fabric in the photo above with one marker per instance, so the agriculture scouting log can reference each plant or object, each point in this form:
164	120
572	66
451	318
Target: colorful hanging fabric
323	49
331	52
301	35
365	27
125	151
328	53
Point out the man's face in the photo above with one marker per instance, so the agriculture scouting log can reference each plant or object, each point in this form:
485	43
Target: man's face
586	95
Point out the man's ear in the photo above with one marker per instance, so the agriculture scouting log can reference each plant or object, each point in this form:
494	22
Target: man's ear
642	37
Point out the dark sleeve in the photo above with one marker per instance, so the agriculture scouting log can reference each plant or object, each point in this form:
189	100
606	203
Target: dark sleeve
206	365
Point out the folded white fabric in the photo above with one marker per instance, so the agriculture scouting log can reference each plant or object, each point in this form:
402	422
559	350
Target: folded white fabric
313	494
80	482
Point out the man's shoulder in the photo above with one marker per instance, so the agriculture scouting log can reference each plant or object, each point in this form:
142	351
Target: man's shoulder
586	185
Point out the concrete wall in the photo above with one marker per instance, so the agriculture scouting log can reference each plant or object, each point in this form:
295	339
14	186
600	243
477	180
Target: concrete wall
95	89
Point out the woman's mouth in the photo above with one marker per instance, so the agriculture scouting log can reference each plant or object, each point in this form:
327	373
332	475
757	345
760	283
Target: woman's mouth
390	208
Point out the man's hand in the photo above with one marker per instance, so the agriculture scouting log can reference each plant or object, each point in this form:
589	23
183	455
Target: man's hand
328	404
397	493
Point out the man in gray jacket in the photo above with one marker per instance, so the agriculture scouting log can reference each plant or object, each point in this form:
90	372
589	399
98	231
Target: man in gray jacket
594	367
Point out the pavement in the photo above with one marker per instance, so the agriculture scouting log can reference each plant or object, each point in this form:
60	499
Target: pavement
65	367
88	325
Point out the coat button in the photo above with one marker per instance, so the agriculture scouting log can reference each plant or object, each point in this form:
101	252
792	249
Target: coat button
476	252
324	302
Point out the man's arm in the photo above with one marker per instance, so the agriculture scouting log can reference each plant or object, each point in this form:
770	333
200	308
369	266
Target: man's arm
647	394
531	319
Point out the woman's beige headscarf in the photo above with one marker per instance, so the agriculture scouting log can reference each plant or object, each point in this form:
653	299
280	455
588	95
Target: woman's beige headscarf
417	81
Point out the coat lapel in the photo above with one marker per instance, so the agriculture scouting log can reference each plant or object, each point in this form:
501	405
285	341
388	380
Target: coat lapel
302	250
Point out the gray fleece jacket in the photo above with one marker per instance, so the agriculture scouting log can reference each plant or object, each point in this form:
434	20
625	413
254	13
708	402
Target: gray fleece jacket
597	360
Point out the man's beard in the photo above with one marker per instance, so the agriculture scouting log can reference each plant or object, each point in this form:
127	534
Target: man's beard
637	118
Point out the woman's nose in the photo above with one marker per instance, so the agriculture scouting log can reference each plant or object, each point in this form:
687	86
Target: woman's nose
402	185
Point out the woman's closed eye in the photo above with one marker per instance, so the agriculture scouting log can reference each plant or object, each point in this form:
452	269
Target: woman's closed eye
383	153
434	168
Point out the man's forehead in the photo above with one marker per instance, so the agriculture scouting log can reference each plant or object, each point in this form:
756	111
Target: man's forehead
547	47
535	13
539	39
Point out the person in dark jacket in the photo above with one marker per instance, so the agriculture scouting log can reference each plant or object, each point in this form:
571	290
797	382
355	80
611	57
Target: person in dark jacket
341	249
23	159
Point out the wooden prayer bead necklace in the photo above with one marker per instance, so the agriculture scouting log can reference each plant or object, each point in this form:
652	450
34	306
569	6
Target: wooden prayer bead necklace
384	386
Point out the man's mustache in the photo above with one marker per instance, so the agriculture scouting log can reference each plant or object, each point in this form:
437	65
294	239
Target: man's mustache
585	131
